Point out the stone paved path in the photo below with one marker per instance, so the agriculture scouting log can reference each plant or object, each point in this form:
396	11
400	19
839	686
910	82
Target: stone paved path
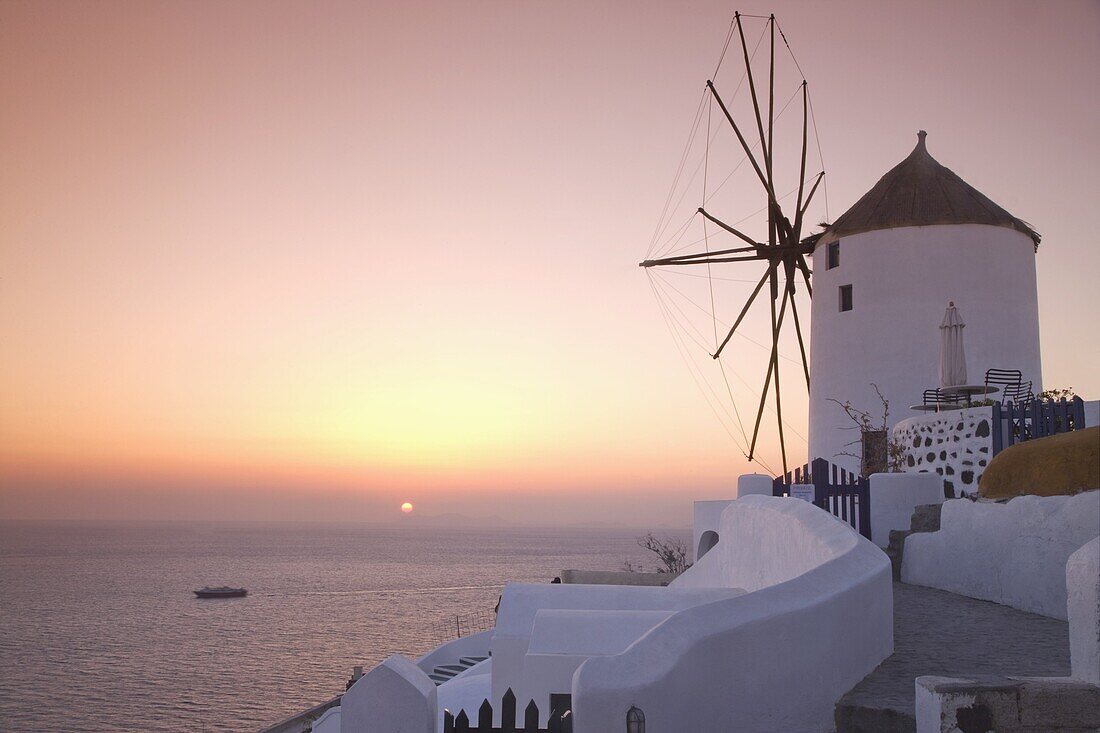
941	633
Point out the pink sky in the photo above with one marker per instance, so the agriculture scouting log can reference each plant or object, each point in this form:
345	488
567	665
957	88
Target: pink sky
313	259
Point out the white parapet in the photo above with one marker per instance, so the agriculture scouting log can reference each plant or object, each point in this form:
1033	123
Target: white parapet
818	617
704	526
894	496
394	697
1013	553
1083	587
754	484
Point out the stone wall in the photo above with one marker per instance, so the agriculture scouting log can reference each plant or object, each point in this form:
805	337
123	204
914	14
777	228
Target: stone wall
955	444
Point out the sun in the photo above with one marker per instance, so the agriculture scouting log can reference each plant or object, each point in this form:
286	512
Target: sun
407	507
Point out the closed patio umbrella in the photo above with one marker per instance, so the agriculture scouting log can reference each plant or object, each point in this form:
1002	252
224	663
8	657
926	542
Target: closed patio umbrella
952	356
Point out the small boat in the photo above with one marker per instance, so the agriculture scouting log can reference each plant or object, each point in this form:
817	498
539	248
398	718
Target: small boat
222	592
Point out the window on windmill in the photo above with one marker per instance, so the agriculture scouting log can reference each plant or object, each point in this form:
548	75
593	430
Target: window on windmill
845	298
832	255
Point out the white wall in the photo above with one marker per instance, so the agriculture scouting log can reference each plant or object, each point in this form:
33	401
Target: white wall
329	722
1092	413
894	496
1013	553
526	608
773	659
394	697
902	280
706	516
1083	584
466	691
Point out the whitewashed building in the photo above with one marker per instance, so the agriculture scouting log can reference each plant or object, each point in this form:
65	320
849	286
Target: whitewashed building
884	272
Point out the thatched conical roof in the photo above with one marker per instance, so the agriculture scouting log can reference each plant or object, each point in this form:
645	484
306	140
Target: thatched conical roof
919	191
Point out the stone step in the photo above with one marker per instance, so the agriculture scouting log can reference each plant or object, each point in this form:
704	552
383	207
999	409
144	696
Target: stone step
471	661
926	518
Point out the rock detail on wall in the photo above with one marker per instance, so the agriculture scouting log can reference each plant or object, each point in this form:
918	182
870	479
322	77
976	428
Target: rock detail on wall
955	444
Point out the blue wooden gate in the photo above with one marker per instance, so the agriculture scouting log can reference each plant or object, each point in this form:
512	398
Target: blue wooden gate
836	490
1015	423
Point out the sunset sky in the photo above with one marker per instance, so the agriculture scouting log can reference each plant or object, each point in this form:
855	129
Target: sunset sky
310	260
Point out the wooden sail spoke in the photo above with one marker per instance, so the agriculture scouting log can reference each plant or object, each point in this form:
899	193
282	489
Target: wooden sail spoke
731	230
802	170
755	105
810	195
805	269
741	139
703	258
773	365
741	315
798	333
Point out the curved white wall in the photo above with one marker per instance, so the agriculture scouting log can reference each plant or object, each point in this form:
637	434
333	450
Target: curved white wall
776	658
902	280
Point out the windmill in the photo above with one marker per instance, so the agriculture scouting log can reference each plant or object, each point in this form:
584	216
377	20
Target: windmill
784	253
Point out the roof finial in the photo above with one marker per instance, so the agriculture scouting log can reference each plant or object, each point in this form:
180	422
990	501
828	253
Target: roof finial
921	134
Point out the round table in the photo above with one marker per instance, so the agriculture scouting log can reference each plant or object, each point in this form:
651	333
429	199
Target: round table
969	390
934	407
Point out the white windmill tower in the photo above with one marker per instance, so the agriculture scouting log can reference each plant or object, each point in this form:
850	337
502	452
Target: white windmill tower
883	273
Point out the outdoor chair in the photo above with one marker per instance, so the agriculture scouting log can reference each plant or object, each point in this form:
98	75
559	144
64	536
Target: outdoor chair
1009	381
934	398
1020	394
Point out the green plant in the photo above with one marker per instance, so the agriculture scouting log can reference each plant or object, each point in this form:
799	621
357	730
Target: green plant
1053	395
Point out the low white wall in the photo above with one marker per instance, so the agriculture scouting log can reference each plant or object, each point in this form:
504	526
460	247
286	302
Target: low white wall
329	722
1013	553
523	604
615	577
706	516
1083	585
955	445
894	496
1092	413
466	691
773	659
754	484
474	645
394	697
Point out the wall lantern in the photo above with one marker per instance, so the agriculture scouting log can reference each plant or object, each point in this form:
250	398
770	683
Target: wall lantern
635	721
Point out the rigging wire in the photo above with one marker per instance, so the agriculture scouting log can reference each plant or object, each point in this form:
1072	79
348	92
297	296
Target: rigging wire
751	340
680	271
679	169
682	350
717	188
710	275
820	156
821	159
695	173
671	318
734	224
682	336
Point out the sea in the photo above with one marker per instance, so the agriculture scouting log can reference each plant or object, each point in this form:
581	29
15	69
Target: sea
99	629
